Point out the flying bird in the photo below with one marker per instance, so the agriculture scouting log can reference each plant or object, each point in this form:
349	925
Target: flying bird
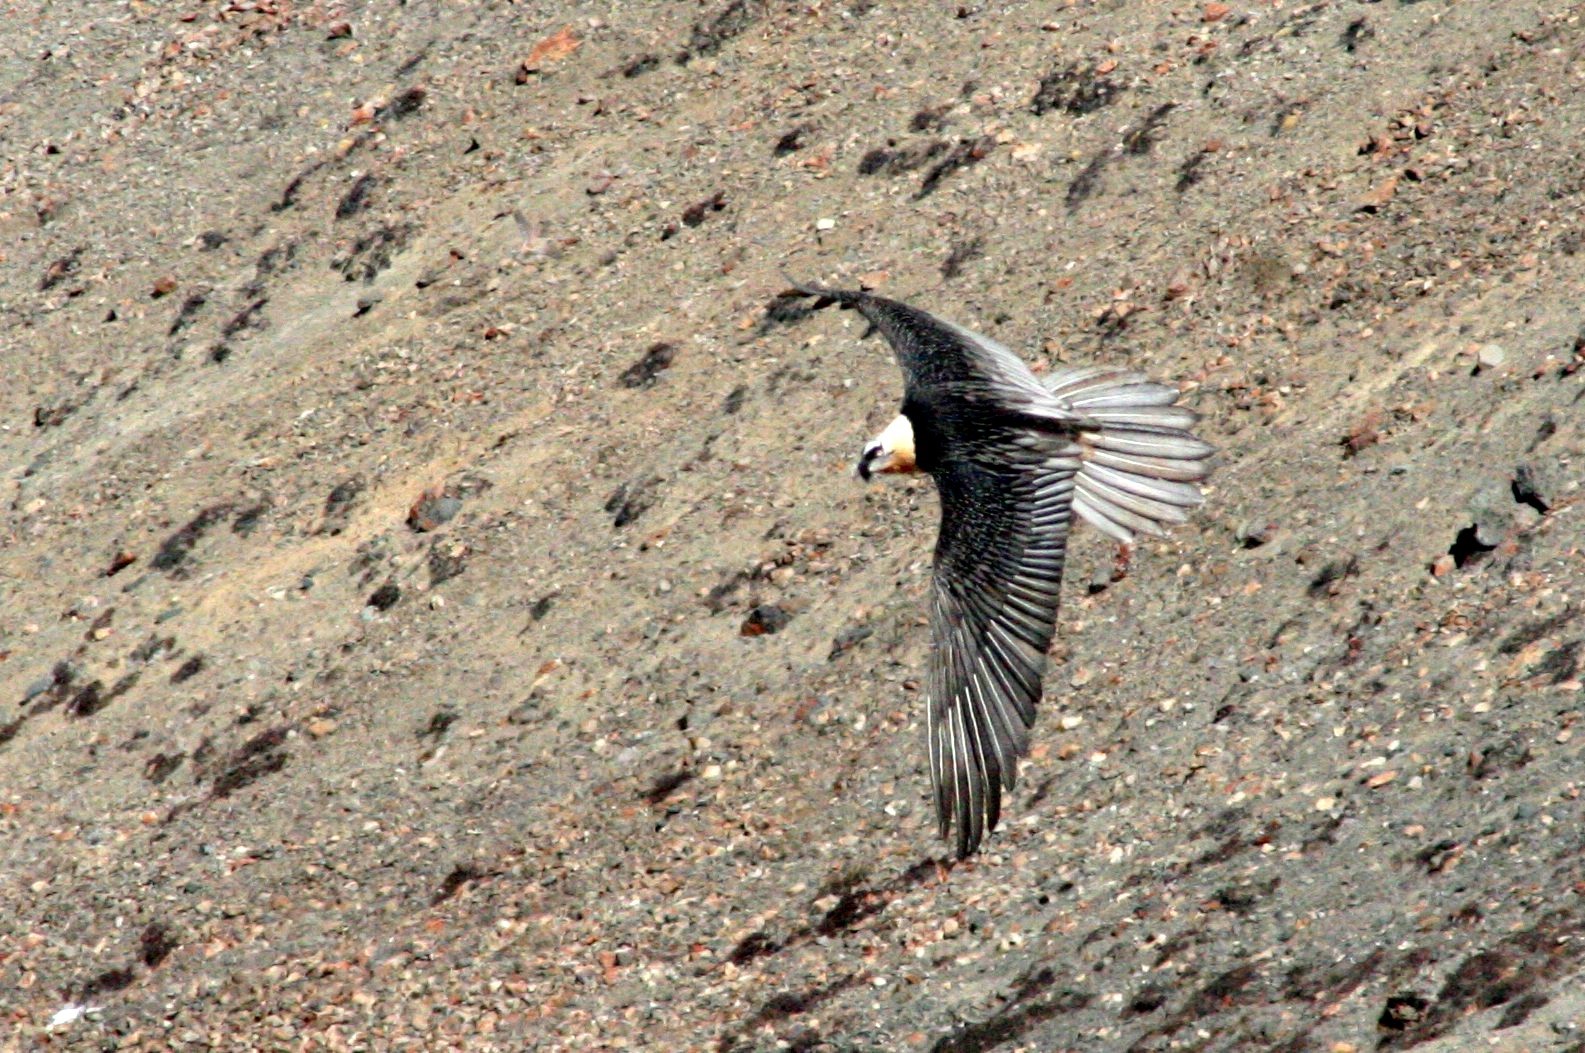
1013	458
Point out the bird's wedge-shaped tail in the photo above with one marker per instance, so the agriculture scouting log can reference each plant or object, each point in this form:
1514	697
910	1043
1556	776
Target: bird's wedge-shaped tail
1139	464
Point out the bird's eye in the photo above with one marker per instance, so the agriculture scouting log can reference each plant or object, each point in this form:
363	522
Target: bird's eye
872	452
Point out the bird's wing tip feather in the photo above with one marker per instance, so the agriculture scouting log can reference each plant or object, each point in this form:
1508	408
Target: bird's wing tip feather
815	289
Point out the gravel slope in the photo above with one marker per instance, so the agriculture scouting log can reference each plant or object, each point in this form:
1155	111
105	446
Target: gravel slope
438	614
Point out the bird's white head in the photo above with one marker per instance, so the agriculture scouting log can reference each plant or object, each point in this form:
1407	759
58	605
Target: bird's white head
890	451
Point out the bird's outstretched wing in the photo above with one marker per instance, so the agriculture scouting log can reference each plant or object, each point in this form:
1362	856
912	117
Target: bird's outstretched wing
943	360
998	576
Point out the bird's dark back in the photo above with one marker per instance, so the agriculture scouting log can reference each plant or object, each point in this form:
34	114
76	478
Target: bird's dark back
947	427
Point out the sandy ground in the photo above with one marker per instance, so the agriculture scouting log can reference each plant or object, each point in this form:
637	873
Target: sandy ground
438	614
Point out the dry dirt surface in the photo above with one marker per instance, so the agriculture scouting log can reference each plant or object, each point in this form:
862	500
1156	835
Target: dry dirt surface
438	614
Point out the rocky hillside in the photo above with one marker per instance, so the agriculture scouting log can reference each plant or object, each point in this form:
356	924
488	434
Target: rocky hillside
439	614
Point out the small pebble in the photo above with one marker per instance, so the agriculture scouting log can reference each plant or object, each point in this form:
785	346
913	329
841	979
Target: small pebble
1255	533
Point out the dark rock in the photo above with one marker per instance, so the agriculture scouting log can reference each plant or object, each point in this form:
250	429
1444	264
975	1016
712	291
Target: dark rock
263	754
1076	89
967	152
1467	546
640	65
632	499
696	213
52	416
59	270
155	943
1538	486
892	161
406	104
764	619
963	252
647	370
709	35
174	552
446	561
791	141
356	199
432	511
386	596
161	766
1402	1012
339	503
88	701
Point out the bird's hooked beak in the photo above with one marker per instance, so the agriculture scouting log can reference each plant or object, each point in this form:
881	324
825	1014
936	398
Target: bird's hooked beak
892	451
872	455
